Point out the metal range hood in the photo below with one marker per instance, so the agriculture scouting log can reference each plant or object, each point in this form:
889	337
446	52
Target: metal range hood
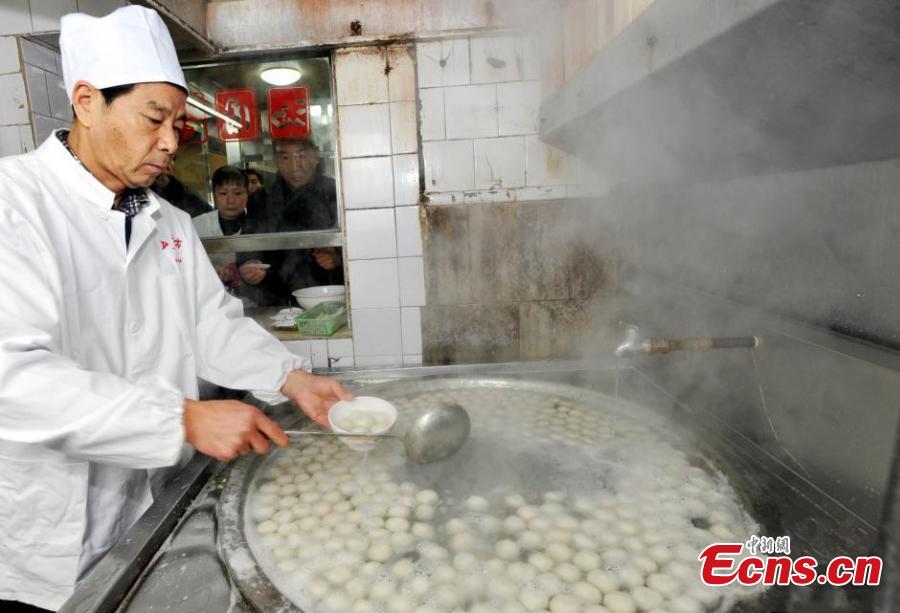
708	90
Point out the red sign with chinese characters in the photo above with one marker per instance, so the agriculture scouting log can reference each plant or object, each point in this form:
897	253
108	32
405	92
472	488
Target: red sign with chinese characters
289	111
239	105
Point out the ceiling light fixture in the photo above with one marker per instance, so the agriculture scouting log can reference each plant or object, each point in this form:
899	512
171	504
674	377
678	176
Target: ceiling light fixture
280	76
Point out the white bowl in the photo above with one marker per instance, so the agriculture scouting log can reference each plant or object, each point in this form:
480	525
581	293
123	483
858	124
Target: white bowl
369	407
308	297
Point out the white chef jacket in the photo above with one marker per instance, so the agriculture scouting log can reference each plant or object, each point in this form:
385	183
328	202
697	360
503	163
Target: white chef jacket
99	347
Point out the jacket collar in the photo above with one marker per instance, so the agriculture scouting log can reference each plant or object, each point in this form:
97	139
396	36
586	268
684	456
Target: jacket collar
76	179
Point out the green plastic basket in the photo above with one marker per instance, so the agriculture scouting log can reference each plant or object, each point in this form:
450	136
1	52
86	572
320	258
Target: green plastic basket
322	320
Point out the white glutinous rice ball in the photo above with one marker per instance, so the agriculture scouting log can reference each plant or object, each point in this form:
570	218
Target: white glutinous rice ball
478	504
619	602
586	592
429	497
558	552
567	572
533	599
507	549
380	552
563	603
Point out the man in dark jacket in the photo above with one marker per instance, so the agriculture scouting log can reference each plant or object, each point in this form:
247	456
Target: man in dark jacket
300	198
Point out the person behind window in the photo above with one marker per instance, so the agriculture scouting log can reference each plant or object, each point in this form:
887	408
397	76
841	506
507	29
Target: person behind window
169	187
230	193
301	197
255	180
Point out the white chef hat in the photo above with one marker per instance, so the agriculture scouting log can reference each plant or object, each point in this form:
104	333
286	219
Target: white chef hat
130	45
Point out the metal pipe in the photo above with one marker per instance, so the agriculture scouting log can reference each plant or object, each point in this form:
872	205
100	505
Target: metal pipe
633	346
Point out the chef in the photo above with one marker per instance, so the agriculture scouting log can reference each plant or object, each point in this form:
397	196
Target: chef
110	311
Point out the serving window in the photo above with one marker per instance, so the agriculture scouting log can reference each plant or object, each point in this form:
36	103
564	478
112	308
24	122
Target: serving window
256	171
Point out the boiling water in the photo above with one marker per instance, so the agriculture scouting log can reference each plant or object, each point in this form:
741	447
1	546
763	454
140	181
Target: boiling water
559	500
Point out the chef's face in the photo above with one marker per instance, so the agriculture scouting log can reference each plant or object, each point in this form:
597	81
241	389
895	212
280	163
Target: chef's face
230	199
135	137
296	162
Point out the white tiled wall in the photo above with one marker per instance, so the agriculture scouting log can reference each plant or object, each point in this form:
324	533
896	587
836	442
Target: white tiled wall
376	102
15	127
480	108
22	124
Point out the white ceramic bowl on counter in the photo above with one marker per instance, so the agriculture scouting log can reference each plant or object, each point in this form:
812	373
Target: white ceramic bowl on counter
308	297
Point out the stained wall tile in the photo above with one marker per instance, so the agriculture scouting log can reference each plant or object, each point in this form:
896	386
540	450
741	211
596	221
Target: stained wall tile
563	329
13	100
499	162
546	165
443	63
319	353
496	59
445	234
449	165
543	255
470	333
359	75
402	76
494	253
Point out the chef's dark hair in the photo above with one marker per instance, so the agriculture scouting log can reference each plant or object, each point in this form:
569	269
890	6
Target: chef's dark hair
227	175
305	141
111	93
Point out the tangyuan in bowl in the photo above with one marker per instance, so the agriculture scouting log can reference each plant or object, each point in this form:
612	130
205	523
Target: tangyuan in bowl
308	297
362	415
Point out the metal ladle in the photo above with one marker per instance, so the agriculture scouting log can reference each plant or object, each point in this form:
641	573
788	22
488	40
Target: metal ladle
435	434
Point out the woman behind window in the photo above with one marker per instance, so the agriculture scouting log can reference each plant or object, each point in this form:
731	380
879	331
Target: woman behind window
230	193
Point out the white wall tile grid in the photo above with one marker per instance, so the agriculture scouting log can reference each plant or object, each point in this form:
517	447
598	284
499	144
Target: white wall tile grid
380	174
468	111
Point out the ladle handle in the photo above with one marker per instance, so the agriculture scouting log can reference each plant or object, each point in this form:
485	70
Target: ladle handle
340	434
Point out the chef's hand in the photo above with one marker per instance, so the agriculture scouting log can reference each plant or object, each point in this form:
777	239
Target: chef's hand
251	273
326	257
314	395
226	429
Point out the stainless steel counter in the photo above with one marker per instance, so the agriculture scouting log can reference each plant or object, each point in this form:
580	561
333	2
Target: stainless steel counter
170	561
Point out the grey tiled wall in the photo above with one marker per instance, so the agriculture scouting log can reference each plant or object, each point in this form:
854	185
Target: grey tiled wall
50	107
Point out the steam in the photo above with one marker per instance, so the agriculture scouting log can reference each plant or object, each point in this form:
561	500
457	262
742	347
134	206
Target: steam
750	188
